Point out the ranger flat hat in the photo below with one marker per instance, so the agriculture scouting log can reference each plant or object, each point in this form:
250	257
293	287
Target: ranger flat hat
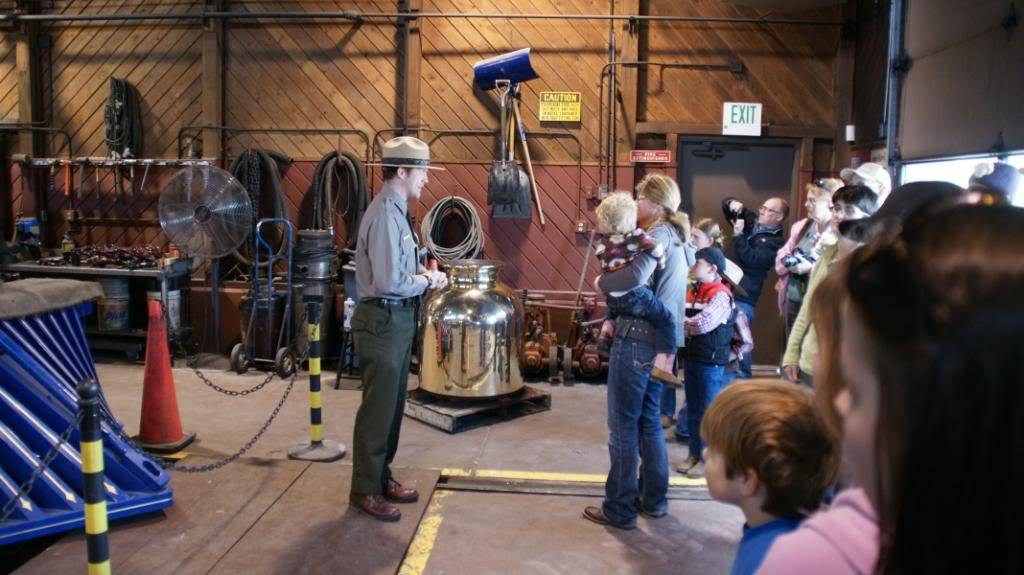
406	152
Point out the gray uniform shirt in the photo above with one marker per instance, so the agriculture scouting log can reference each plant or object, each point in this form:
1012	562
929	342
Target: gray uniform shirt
669	284
387	254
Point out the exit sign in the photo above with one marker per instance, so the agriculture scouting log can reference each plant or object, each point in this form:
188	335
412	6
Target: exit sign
741	119
650	156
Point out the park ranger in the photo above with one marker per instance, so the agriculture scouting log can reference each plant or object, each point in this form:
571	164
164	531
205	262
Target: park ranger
390	278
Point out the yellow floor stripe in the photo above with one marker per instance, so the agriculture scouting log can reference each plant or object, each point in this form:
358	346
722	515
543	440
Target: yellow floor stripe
422	545
415	562
512	475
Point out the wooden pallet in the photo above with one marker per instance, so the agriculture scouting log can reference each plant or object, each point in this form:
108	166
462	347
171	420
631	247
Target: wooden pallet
460	415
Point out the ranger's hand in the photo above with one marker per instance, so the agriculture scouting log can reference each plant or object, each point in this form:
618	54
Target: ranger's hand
437	279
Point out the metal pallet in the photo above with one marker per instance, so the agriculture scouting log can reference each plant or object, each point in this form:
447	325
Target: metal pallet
460	415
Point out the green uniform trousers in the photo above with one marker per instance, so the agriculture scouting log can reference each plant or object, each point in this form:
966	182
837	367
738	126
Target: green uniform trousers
382	338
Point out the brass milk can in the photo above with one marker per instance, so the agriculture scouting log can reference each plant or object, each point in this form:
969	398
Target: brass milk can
471	335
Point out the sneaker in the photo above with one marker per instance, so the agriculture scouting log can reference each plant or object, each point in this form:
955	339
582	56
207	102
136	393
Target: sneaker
665	377
697	471
687	465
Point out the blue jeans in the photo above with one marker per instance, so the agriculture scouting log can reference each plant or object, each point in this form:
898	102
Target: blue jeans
702	382
745	371
634	435
641	303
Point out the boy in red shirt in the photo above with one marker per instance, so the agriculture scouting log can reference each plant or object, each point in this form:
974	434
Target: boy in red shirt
710	315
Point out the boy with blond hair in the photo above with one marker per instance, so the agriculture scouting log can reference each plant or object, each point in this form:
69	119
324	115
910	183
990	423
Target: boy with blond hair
770	454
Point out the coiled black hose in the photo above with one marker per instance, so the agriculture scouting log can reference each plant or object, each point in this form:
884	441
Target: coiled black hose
338	174
122	120
257	170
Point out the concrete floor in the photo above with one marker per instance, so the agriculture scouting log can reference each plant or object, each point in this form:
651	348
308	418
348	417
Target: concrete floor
466	531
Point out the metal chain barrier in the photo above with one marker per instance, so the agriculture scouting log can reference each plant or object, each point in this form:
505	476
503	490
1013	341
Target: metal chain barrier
193	360
217	464
44	464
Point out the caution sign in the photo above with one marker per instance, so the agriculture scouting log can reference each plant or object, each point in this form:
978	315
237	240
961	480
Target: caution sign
559	106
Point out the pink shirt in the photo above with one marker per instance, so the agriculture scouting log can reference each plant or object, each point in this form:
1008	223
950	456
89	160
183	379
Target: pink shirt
781	270
842	540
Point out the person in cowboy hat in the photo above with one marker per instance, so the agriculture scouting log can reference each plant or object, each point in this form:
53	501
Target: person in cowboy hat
389	278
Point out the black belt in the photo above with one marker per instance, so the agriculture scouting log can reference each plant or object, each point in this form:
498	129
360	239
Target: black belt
634	328
388	302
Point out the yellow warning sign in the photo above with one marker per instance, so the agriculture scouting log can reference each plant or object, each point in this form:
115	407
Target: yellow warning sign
559	107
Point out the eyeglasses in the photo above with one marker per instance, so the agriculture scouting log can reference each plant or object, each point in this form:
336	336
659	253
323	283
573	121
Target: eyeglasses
765	208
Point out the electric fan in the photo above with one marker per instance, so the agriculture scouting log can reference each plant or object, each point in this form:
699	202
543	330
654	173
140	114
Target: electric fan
205	211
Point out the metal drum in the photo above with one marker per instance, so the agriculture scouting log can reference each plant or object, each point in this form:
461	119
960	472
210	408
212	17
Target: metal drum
471	335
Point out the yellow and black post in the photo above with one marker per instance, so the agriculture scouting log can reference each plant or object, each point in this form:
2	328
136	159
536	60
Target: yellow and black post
91	446
317	448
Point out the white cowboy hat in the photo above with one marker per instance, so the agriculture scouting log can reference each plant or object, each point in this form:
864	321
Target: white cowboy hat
734	275
406	152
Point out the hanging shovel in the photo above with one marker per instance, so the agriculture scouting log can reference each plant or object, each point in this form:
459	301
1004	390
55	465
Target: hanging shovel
507	185
529	163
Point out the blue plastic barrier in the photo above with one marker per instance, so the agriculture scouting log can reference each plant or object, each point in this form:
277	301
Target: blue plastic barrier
42	359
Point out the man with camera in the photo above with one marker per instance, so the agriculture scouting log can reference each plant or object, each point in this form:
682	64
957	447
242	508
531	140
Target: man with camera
755	243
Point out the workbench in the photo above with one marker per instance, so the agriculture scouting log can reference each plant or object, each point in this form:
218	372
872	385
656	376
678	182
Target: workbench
130	341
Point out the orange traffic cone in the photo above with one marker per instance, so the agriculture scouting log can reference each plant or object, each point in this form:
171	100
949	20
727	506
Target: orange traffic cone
160	430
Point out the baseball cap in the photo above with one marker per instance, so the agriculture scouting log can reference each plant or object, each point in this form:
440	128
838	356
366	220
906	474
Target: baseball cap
999	177
868	171
903	202
713	256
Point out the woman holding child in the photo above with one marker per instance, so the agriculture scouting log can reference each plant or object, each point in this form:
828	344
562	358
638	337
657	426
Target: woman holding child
635	433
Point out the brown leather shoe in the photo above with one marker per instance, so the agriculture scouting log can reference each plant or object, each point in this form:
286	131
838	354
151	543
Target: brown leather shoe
375	506
596	515
397	494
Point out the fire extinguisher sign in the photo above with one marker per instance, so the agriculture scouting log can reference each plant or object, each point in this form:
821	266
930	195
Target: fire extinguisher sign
650	156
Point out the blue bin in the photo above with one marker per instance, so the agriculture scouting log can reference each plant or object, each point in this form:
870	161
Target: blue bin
512	66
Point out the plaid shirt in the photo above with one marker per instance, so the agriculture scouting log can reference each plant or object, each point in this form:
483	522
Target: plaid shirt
713	314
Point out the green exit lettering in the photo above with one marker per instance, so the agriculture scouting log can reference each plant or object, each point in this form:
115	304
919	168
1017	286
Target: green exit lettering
743	114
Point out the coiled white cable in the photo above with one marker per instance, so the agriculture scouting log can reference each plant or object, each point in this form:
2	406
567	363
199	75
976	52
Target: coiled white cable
434	222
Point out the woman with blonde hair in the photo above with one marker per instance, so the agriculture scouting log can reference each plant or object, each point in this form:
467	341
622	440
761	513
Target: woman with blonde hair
794	262
707	234
633	397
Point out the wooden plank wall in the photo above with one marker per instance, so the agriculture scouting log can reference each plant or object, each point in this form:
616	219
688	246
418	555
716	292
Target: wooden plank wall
347	75
788	69
8	81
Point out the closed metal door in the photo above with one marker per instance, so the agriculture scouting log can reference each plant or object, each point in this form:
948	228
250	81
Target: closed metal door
751	170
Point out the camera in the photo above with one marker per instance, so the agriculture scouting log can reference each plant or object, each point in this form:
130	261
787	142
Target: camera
734	210
796	257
